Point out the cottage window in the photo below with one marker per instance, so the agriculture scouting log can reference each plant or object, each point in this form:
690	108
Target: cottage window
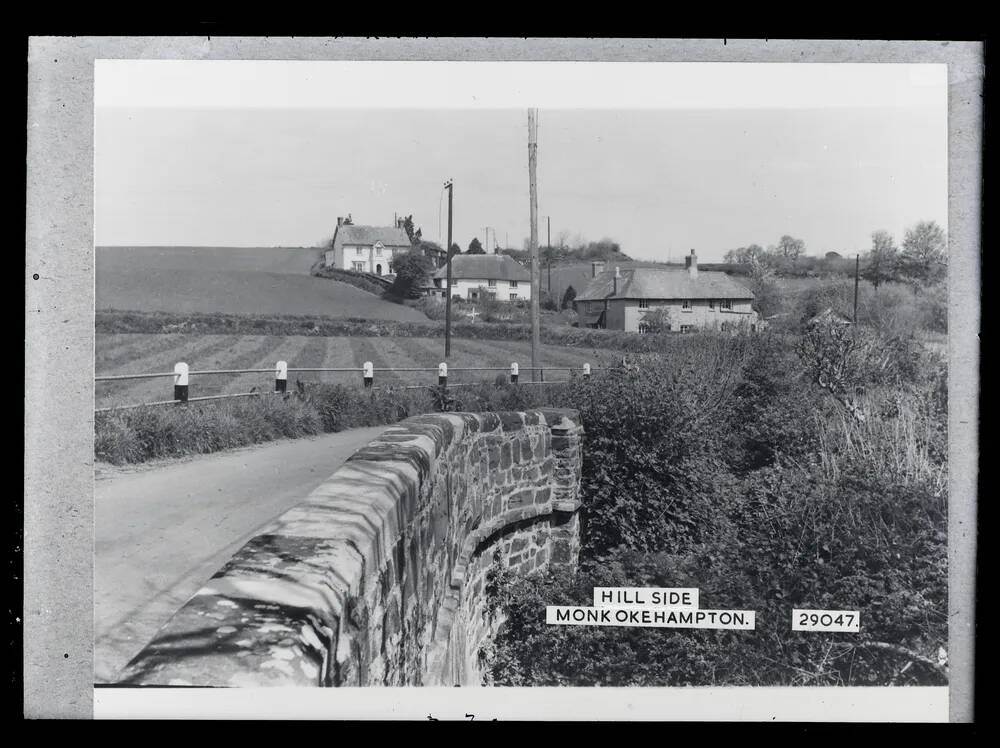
686	304
359	250
491	282
643	328
686	328
378	251
711	303
727	304
513	284
513	297
359	267
644	303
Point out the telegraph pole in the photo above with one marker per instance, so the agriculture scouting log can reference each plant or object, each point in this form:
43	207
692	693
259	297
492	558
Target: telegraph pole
533	196
548	248
857	269
447	305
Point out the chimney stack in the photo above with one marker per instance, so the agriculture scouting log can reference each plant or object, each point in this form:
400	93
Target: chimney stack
596	268
691	262
340	220
617	279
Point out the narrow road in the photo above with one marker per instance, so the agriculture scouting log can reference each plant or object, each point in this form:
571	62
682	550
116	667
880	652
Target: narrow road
161	531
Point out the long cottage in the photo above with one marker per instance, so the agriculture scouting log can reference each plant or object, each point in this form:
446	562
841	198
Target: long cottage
621	299
479	277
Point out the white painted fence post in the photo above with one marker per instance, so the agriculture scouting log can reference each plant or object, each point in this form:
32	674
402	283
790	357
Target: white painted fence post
443	374
369	374
586	370
281	377
181	382
513	373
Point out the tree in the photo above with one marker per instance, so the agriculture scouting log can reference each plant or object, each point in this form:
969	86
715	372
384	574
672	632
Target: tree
657	319
746	255
412	269
411	230
833	256
925	253
568	297
476	247
790	248
881	260
766	294
455	250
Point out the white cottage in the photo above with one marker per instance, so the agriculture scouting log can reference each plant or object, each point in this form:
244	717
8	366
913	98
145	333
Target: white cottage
478	277
366	249
689	299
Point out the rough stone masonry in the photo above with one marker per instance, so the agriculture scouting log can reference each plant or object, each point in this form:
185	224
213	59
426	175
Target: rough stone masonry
377	577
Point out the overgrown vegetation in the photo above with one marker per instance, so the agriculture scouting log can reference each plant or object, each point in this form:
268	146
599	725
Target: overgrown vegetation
358	280
135	435
727	466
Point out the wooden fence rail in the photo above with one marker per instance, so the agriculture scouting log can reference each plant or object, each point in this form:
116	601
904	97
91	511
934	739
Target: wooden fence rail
182	374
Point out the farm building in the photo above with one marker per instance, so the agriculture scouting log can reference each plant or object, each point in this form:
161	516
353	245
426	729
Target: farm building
478	277
366	249
642	299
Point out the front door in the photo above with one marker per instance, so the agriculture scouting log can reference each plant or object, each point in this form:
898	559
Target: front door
378	270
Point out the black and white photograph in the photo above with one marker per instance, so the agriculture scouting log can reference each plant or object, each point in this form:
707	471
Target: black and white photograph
521	375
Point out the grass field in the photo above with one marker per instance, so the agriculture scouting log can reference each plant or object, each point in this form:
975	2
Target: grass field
231	280
140	353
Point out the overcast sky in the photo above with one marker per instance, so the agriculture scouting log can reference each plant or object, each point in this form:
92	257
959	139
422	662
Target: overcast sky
660	157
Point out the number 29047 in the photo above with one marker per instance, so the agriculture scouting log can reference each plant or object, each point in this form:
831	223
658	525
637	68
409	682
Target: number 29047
826	620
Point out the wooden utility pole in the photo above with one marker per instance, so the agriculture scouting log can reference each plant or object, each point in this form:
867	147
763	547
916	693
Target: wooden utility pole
548	248
533	196
447	304
857	269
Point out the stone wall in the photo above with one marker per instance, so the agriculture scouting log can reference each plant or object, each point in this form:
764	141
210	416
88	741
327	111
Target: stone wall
378	576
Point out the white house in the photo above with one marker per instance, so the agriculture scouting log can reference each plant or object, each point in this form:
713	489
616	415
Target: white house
366	249
478	277
629	299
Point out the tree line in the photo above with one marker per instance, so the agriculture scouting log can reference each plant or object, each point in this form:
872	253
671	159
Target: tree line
922	259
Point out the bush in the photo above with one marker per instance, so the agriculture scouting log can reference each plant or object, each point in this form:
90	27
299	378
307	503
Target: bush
151	432
358	280
762	494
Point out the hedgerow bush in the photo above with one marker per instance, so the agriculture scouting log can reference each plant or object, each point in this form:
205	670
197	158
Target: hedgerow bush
766	494
133	435
150	432
558	333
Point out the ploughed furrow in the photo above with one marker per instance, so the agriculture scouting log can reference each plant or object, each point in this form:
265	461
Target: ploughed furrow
311	355
118	355
265	355
370	349
201	352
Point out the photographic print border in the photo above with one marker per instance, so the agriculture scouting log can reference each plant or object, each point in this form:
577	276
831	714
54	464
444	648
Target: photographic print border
59	305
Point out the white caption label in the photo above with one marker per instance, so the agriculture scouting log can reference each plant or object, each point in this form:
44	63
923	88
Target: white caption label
826	620
646	597
574	615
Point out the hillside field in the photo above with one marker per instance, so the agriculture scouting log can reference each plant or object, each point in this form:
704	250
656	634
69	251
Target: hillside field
134	353
231	280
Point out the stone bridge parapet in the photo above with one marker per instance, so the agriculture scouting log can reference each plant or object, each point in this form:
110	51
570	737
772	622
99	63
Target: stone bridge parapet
378	576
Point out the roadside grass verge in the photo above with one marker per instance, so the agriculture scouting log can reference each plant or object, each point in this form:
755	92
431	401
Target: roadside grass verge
135	435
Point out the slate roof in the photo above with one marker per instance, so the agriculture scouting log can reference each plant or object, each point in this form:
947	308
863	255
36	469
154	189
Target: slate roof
663	283
365	236
490	267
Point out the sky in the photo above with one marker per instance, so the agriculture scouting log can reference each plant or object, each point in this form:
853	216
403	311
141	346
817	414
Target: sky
660	157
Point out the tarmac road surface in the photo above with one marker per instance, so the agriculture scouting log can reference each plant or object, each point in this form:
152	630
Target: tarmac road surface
161	530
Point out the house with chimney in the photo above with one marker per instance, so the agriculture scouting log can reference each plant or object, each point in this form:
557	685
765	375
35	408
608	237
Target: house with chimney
367	249
480	277
637	299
